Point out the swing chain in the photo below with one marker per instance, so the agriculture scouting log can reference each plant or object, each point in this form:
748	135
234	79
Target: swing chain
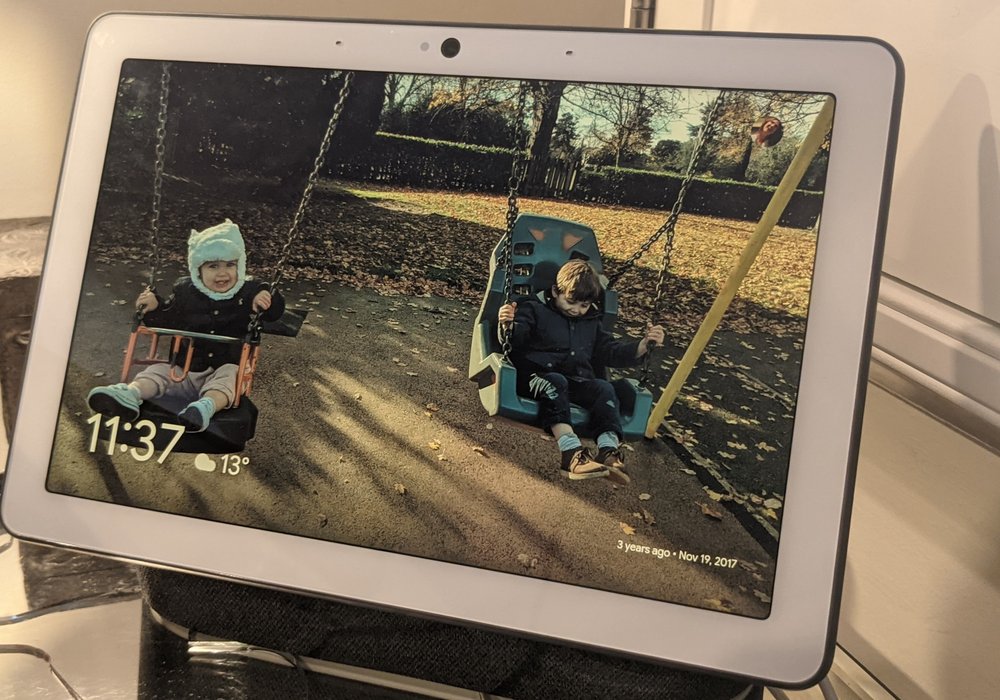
671	222
513	185
161	134
675	210
331	127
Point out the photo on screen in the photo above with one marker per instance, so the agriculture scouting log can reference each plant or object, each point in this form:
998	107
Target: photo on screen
306	270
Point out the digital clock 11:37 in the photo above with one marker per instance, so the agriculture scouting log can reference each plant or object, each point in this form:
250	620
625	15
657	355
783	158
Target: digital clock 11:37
147	429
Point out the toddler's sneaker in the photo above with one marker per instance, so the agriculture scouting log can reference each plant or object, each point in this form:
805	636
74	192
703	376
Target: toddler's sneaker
114	400
614	460
196	416
577	464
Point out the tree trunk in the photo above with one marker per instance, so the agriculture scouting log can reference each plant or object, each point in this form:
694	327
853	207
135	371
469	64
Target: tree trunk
361	116
547	96
740	173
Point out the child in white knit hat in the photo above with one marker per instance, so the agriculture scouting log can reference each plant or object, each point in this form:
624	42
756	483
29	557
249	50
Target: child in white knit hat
217	299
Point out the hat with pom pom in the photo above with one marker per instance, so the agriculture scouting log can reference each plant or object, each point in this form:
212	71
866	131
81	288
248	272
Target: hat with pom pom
221	242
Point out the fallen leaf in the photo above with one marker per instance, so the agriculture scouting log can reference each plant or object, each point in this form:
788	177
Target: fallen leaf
451	369
764	446
710	511
648	517
434	445
727	455
411	374
720	604
432	407
357	397
764	597
773	503
323	520
626	528
400	489
98	374
756	500
769	513
489	426
480	450
736	445
528	562
714	495
644	497
688	471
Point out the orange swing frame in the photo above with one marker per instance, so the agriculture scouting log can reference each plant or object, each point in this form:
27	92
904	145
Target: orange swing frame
245	374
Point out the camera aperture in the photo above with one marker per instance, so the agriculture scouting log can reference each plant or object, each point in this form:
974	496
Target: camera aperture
450	47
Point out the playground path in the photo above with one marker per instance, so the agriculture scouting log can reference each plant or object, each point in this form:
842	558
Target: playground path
732	421
371	434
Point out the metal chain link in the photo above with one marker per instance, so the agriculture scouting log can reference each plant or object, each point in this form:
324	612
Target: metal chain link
331	127
513	184
670	224
675	211
161	135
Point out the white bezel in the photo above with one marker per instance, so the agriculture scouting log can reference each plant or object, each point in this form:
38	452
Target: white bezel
789	647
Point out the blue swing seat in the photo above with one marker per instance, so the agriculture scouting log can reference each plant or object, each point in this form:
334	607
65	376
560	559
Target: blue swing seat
540	246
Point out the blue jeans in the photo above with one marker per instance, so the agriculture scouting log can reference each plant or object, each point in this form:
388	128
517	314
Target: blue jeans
557	392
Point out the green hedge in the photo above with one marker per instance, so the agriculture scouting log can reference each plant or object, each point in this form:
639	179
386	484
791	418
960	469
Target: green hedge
726	198
417	162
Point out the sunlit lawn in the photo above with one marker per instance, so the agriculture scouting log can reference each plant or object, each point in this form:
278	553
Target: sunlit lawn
705	248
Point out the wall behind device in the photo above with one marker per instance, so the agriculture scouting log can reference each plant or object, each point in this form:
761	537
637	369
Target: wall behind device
41	44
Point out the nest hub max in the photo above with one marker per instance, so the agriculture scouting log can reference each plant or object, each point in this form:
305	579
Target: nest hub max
394	189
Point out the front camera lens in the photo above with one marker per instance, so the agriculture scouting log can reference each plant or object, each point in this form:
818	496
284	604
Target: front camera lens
450	47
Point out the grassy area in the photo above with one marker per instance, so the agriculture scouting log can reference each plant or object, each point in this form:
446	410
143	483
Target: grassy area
704	250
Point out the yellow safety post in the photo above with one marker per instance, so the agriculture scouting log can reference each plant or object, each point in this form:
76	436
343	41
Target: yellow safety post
779	200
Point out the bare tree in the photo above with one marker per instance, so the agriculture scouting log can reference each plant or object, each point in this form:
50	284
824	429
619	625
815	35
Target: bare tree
624	116
402	90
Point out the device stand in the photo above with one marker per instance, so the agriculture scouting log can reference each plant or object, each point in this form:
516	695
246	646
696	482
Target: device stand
475	659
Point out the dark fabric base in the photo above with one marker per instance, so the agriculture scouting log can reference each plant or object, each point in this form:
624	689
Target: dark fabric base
465	657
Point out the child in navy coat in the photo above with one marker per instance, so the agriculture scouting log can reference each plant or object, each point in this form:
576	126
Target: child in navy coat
556	339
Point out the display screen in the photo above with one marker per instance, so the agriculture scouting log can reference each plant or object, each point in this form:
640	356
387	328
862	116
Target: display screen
340	305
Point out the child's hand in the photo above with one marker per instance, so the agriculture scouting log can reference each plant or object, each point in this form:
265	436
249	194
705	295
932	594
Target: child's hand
262	302
506	315
147	301
654	336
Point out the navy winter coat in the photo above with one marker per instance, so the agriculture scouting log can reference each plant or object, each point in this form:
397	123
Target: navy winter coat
188	309
544	340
